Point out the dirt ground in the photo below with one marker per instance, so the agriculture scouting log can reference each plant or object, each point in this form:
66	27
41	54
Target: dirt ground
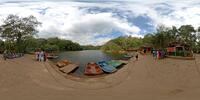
146	79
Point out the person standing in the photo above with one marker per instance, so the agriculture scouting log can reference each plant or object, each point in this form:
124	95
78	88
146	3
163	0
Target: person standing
136	55
42	55
45	56
153	53
145	51
158	54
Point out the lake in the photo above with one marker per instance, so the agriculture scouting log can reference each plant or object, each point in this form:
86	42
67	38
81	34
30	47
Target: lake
85	56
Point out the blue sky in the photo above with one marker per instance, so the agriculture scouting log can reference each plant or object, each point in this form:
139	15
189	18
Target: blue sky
96	21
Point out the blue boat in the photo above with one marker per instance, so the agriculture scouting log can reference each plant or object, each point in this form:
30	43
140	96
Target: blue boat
106	67
114	63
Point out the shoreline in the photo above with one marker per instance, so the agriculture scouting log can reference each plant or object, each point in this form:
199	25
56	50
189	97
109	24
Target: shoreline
82	58
113	78
147	78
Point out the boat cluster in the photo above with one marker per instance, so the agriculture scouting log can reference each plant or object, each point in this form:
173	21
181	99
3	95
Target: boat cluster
101	67
92	68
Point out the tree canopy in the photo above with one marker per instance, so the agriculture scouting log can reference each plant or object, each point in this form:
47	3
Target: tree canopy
165	35
122	43
160	39
15	30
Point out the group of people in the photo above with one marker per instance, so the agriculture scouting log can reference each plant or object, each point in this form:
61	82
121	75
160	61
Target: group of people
158	54
41	55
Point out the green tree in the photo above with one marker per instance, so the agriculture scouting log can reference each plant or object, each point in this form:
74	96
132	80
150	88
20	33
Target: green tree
148	39
110	46
187	35
198	33
198	40
90	47
133	42
172	34
41	42
122	43
1	46
16	29
51	48
161	38
165	35
63	45
30	44
53	41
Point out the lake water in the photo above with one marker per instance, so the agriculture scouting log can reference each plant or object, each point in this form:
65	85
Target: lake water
83	57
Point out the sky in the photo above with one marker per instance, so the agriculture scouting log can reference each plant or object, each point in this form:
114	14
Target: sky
97	21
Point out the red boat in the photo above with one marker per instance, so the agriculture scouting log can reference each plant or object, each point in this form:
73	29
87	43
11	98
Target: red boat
93	69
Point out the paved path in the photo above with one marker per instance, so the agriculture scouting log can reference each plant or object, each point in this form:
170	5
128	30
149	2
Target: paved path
146	79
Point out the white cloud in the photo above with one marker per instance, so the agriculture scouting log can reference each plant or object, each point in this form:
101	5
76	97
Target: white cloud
70	20
182	12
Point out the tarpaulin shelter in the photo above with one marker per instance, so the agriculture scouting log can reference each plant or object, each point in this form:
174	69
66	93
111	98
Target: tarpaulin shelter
179	49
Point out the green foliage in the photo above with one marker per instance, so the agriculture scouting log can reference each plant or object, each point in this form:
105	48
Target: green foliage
41	42
50	48
160	39
122	43
110	46
53	41
30	43
67	45
1	46
198	47
165	35
56	44
16	29
186	35
198	40
148	39
133	42
90	47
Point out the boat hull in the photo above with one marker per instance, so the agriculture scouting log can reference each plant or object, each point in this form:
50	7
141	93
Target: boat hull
106	67
114	63
52	57
92	69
